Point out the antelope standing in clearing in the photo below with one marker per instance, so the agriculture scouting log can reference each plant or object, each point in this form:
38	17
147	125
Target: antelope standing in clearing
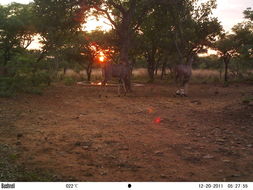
183	74
119	71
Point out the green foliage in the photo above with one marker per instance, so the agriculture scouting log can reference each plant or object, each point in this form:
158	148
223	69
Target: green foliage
6	87
25	75
236	49
69	81
209	62
243	38
194	26
16	30
19	72
248	14
58	22
247	99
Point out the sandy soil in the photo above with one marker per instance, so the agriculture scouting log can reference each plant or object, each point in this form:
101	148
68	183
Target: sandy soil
149	135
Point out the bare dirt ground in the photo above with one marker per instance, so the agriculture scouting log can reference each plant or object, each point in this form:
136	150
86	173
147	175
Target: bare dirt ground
70	134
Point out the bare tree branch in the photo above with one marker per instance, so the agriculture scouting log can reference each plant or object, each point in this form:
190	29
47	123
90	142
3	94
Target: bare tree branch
107	15
118	6
28	44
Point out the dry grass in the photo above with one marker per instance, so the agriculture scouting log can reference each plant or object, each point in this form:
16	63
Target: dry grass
202	73
141	74
205	75
97	74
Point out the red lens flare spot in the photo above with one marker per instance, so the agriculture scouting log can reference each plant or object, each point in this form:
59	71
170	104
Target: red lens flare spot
157	120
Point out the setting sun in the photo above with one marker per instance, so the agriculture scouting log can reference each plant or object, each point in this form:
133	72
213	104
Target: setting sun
101	57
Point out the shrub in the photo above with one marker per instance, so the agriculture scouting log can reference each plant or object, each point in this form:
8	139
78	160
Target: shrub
69	81
6	87
247	99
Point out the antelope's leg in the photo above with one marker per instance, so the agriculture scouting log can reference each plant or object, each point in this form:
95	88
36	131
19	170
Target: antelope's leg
124	86
179	85
186	89
119	86
103	88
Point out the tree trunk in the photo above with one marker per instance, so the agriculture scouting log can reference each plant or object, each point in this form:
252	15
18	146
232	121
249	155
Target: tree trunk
132	64
163	70
151	70
125	34
124	51
226	62
150	56
41	56
151	67
124	44
157	64
156	69
3	71
4	68
220	70
89	71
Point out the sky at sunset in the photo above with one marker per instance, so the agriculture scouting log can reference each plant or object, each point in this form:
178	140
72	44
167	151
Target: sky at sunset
230	12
